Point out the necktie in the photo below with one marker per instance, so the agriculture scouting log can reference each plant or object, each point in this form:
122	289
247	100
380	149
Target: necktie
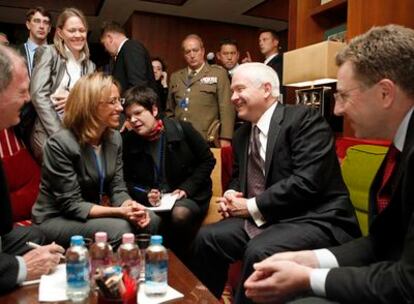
191	75
385	191
255	178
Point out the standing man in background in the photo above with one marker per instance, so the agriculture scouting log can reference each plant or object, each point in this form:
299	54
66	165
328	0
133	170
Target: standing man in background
269	47
200	94
228	55
132	62
38	23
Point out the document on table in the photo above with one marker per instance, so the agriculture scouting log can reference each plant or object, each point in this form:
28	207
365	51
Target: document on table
52	287
167	202
171	294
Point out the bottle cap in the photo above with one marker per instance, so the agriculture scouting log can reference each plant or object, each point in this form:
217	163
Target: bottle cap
128	238
77	240
101	237
156	239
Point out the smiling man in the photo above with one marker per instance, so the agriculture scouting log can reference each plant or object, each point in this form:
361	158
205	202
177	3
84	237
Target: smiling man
376	93
287	190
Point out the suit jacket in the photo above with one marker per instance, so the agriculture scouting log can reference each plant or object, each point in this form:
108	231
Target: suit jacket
387	254
9	266
277	64
133	66
48	72
302	174
188	163
208	99
70	179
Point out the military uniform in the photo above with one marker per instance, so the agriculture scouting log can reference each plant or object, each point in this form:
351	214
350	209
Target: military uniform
202	99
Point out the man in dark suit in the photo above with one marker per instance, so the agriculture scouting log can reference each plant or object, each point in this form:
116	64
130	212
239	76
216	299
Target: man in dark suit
376	93
132	62
287	190
17	261
269	47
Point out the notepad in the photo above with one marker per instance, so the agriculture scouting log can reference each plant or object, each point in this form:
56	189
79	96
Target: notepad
52	287
171	294
167	202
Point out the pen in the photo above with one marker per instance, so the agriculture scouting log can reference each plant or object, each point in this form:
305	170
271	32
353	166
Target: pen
139	189
34	246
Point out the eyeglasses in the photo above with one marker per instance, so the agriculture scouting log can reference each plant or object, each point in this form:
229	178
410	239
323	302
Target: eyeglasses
39	21
113	101
341	97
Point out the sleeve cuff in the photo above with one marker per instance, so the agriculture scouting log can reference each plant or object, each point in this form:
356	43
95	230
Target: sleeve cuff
317	281
326	258
255	212
22	274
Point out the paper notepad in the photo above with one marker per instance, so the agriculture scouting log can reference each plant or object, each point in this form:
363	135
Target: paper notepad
52	287
167	202
171	294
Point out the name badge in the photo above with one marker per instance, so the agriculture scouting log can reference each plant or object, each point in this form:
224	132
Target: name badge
183	103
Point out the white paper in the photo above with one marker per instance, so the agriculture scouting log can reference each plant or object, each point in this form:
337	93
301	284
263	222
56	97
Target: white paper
52	287
167	202
171	294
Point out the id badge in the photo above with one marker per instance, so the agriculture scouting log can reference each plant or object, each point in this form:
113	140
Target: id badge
183	103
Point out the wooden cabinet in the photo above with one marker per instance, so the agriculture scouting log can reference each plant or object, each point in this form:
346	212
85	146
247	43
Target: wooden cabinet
309	20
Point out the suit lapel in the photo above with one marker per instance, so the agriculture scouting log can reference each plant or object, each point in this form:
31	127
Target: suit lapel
110	155
273	133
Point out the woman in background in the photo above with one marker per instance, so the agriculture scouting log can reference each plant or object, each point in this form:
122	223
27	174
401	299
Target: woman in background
160	75
57	68
82	188
164	155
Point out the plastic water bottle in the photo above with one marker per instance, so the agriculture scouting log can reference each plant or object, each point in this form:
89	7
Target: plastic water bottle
100	252
156	268
129	257
77	270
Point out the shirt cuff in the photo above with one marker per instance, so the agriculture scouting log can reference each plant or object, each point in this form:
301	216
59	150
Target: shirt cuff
326	258
255	212
22	274
317	281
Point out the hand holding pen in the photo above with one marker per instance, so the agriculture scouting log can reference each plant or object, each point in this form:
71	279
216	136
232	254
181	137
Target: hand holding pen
42	259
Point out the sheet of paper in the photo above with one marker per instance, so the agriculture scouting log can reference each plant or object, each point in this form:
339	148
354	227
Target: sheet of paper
52	287
167	202
171	294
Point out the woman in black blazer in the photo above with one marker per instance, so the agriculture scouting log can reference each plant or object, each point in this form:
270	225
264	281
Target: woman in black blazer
164	155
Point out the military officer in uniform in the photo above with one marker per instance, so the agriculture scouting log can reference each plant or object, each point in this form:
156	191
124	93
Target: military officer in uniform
200	94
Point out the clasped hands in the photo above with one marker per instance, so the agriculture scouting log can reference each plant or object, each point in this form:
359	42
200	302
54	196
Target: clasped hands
281	276
135	213
233	204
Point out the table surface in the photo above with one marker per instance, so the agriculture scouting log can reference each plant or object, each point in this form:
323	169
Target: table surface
179	277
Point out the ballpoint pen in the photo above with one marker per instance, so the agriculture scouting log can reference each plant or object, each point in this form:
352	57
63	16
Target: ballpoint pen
34	246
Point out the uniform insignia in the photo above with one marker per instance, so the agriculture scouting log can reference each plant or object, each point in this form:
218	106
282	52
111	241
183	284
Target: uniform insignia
208	80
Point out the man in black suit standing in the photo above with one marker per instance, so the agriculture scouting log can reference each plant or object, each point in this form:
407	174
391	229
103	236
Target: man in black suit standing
376	93
17	261
269	47
287	190
132	62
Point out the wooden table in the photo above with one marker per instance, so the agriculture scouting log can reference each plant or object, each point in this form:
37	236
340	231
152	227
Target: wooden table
179	277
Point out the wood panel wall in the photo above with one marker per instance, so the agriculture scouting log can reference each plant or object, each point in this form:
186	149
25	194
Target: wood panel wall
163	34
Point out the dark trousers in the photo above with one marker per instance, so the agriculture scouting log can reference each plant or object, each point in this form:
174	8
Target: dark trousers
14	242
218	245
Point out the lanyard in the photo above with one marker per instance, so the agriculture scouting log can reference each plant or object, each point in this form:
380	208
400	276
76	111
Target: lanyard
29	59
158	169
101	173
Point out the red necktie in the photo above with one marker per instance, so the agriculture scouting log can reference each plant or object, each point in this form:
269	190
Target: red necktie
385	190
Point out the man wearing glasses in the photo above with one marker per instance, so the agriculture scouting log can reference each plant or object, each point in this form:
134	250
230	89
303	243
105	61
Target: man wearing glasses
376	94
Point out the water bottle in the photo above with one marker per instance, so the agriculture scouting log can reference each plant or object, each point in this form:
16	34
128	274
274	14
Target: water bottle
100	252
77	270
156	268
129	257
